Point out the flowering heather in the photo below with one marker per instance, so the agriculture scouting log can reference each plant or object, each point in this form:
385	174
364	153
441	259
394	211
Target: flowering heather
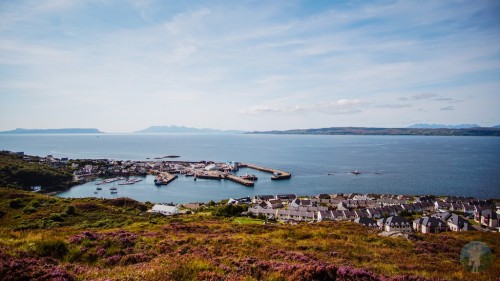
12	268
203	247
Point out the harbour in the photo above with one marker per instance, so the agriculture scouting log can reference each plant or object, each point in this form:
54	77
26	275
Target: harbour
389	164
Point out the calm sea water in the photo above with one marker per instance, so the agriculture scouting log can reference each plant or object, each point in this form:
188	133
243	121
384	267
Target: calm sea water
465	166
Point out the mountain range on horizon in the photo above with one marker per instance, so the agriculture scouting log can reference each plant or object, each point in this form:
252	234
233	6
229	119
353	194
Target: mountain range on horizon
54	131
184	129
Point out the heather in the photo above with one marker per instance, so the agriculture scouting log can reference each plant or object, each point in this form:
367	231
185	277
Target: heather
94	239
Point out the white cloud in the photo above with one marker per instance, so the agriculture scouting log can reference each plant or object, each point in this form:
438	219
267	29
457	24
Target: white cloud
339	107
448	108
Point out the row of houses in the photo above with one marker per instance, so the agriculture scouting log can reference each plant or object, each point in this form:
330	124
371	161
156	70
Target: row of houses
435	223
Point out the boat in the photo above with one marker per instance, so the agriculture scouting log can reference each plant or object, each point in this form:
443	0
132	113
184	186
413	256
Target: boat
99	188
112	188
356	172
95	192
114	192
250	177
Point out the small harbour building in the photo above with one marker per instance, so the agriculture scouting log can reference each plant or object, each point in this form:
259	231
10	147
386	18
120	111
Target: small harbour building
164	209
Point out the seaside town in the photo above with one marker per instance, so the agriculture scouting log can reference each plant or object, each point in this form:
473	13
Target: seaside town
392	214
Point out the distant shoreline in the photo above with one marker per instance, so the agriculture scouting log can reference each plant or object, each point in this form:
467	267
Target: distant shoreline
494	132
54	131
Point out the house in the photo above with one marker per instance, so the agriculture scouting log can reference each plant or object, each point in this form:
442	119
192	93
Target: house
300	202
429	225
325	216
349	215
371	223
274	204
338	215
442	206
442	216
458	223
164	209
286	197
361	213
193	206
262	198
468	209
270	214
394	223
488	218
374	213
342	206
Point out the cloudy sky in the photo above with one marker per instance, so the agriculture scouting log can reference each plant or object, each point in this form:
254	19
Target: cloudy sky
121	66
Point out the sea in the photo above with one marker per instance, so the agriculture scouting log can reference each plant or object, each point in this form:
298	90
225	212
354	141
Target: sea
413	165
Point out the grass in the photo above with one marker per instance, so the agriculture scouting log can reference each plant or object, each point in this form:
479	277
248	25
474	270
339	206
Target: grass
245	220
118	240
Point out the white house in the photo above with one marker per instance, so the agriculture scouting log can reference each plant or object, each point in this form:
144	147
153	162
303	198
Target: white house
394	223
164	210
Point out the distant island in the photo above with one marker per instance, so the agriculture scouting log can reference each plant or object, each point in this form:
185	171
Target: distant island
480	131
54	131
183	129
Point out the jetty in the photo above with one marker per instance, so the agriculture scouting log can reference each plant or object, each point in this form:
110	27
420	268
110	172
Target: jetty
239	180
164	178
277	174
166	171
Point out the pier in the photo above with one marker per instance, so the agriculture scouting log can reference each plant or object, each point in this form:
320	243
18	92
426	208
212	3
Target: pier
164	178
239	180
277	174
211	171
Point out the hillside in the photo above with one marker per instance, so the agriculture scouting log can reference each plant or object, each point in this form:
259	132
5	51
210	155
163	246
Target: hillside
26	173
389	131
442	126
45	238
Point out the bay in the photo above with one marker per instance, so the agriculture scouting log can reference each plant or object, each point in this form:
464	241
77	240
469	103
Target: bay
461	166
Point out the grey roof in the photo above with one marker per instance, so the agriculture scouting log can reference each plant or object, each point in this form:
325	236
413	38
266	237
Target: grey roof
430	221
366	221
394	221
444	216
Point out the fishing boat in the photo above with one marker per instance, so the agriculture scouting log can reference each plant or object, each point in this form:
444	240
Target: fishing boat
249	177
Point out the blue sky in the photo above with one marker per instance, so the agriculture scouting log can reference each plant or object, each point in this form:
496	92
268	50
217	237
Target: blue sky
121	66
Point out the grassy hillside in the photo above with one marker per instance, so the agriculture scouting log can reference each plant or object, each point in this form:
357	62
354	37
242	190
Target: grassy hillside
15	172
45	238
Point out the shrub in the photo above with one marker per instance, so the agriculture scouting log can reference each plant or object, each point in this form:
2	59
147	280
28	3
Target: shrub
16	203
70	210
56	217
29	210
51	248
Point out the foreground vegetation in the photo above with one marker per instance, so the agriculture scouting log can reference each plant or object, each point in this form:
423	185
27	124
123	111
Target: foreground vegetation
48	238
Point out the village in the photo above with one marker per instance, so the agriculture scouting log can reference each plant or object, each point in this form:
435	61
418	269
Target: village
389	213
392	214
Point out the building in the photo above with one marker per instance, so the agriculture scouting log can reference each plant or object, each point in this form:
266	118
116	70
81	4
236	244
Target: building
371	223
429	225
458	223
394	223
164	210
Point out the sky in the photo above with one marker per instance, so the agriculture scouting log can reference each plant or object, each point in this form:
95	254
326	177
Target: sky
124	65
